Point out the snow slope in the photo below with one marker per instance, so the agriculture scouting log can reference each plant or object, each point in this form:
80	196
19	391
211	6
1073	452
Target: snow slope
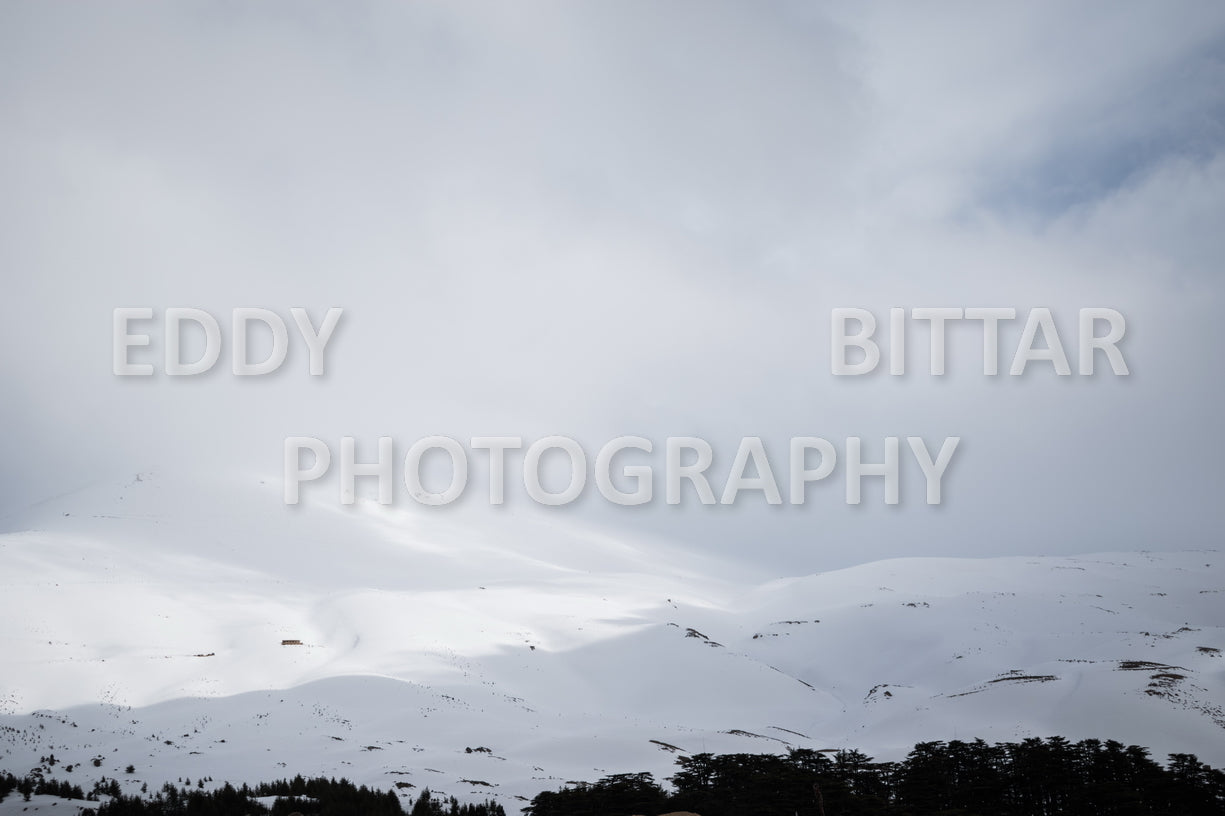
143	625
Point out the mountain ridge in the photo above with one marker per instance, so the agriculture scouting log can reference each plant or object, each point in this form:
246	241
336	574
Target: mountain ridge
154	611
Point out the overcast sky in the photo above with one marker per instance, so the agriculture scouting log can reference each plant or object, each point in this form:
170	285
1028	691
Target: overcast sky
633	218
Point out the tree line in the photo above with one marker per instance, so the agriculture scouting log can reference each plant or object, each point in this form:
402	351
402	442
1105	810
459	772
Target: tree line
335	797
1035	777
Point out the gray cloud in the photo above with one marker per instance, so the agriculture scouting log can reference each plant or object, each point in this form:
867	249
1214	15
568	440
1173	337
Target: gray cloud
631	219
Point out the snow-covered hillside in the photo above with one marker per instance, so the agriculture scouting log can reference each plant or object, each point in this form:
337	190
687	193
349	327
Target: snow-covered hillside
196	629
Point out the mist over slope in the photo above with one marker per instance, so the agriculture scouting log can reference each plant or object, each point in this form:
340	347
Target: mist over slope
199	628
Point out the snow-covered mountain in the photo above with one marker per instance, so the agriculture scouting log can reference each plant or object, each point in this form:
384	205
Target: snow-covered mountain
201	629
